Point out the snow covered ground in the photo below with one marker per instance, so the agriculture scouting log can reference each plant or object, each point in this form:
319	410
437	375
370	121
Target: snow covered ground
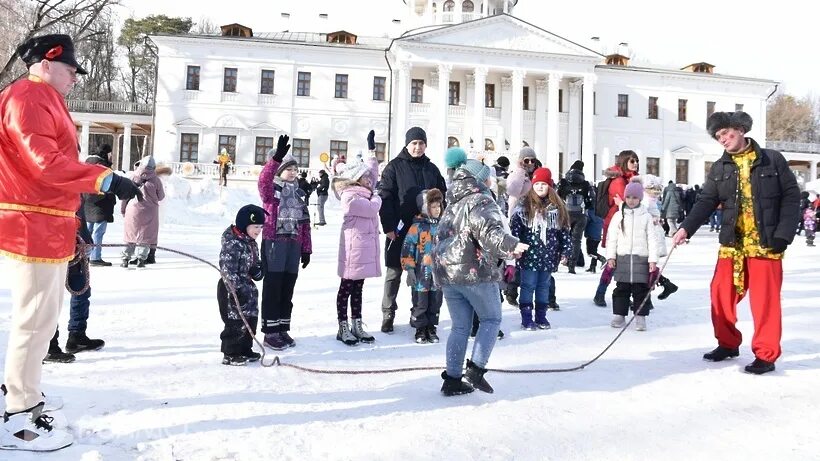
157	391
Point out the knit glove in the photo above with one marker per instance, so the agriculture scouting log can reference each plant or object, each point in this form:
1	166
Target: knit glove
779	245
411	278
371	140
509	274
305	260
282	148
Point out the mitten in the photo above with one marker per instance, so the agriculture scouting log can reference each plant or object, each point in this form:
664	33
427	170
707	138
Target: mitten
371	140
282	147
305	260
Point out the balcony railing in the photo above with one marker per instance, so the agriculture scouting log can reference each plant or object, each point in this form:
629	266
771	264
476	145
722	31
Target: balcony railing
802	147
228	96
266	99
529	115
447	18
419	108
198	170
110	107
492	112
456	111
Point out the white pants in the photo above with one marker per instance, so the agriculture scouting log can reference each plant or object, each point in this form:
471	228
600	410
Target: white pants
37	291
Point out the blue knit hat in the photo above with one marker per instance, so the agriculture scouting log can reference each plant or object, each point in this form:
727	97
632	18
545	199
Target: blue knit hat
455	157
477	169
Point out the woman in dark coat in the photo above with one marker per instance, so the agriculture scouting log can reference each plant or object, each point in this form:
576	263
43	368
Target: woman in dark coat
99	208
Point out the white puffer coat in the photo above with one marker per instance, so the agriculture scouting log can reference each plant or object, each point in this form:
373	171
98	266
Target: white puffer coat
634	247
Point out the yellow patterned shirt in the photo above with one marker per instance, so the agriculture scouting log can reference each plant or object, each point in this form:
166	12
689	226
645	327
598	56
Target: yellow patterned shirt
747	239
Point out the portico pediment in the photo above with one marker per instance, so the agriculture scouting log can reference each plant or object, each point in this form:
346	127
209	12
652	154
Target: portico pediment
503	33
189	123
684	150
265	126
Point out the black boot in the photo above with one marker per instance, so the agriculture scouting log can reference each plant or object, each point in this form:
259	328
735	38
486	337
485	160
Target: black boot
759	366
668	287
720	354
571	269
56	355
475	376
592	263
124	263
454	386
387	321
79	342
151	259
512	297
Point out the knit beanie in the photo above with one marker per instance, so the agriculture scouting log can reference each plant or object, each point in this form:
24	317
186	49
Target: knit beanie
477	169
455	157
526	152
634	189
249	214
287	162
413	134
577	165
542	175
503	161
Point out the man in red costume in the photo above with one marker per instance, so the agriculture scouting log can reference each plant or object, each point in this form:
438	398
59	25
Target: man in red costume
42	179
761	209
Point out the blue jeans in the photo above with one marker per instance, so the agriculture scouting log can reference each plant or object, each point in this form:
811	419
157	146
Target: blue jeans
462	301
79	303
715	219
535	283
97	230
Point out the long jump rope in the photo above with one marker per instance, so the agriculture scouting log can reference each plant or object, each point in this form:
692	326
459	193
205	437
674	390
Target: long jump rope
81	257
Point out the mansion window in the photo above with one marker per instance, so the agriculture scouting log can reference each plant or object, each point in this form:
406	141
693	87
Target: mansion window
653	165
228	142
266	86
229	80
192	78
263	145
379	84
526	102
449	6
341	86
303	84
560	100
338	148
467	6
189	147
381	150
710	108
623	105
301	152
452	141
594	102
738	107
652	110
682	110
417	91
489	95
455	93
682	171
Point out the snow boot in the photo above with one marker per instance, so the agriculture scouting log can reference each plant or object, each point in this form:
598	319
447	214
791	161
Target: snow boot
152	258
432	335
56	355
600	295
421	335
668	287
526	317
344	335
571	269
511	296
541	318
618	321
252	356
237	360
553	306
720	354
640	323
592	264
140	263
32	430
387	321
275	341
759	366
288	339
79	342
475	376
454	386
124	263
360	334
500	335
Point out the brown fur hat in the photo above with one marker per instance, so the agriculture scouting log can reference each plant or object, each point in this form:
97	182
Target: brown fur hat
720	120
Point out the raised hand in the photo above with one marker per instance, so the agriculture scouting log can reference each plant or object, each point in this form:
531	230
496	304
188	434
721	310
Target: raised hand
282	148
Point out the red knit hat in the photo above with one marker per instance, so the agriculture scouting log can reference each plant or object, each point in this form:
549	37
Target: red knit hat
542	175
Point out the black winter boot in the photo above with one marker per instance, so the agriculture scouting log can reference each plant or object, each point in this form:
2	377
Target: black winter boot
759	366
454	386
668	287
592	263
56	355
720	354
151	259
475	376
387	321
79	342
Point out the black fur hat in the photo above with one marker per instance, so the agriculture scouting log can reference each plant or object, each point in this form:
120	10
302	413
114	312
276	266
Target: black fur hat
720	120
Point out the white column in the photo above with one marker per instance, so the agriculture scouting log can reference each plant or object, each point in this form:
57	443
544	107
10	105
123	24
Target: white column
573	152
516	121
478	112
667	167
553	123
469	108
588	124
541	117
458	18
813	170
126	146
506	7
403	104
85	134
506	109
442	109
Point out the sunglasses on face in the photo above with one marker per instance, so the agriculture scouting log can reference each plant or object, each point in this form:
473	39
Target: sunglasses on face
527	161
633	160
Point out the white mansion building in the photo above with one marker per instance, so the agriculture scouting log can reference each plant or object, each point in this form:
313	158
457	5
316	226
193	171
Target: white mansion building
474	75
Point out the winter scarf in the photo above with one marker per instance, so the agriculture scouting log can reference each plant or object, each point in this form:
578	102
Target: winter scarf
292	208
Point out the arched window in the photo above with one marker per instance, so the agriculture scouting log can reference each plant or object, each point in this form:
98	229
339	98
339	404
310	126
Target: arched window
467	6
453	142
489	144
435	8
449	6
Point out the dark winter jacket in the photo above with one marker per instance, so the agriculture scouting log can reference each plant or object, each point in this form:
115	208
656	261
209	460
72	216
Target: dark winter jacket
544	254
99	207
239	262
471	237
324	185
305	186
402	180
776	198
576	192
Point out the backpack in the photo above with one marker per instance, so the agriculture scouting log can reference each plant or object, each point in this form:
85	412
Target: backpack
602	198
574	201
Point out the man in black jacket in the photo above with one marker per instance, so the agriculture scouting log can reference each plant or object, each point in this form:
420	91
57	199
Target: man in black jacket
576	193
760	201
402	180
99	208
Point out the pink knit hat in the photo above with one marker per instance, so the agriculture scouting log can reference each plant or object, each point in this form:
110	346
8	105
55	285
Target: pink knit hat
634	189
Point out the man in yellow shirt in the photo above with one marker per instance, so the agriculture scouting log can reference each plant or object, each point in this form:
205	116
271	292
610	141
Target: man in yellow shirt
761	210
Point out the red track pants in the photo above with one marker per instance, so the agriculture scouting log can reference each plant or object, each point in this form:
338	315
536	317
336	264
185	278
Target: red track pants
765	277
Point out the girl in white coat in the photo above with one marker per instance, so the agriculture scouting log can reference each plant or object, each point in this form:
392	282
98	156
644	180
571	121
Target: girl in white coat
632	251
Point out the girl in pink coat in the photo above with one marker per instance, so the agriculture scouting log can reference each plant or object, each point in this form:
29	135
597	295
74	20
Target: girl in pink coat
359	252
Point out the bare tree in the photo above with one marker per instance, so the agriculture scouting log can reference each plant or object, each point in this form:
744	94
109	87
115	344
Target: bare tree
49	15
204	26
792	119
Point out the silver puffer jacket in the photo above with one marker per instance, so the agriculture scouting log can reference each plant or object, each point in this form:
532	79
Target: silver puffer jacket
471	235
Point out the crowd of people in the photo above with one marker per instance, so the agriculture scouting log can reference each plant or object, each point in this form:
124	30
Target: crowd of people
469	238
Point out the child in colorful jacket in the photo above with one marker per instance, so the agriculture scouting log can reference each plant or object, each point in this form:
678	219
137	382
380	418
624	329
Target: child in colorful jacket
417	261
810	216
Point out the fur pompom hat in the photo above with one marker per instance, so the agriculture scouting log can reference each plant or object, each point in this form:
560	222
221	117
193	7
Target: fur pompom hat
428	197
720	120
